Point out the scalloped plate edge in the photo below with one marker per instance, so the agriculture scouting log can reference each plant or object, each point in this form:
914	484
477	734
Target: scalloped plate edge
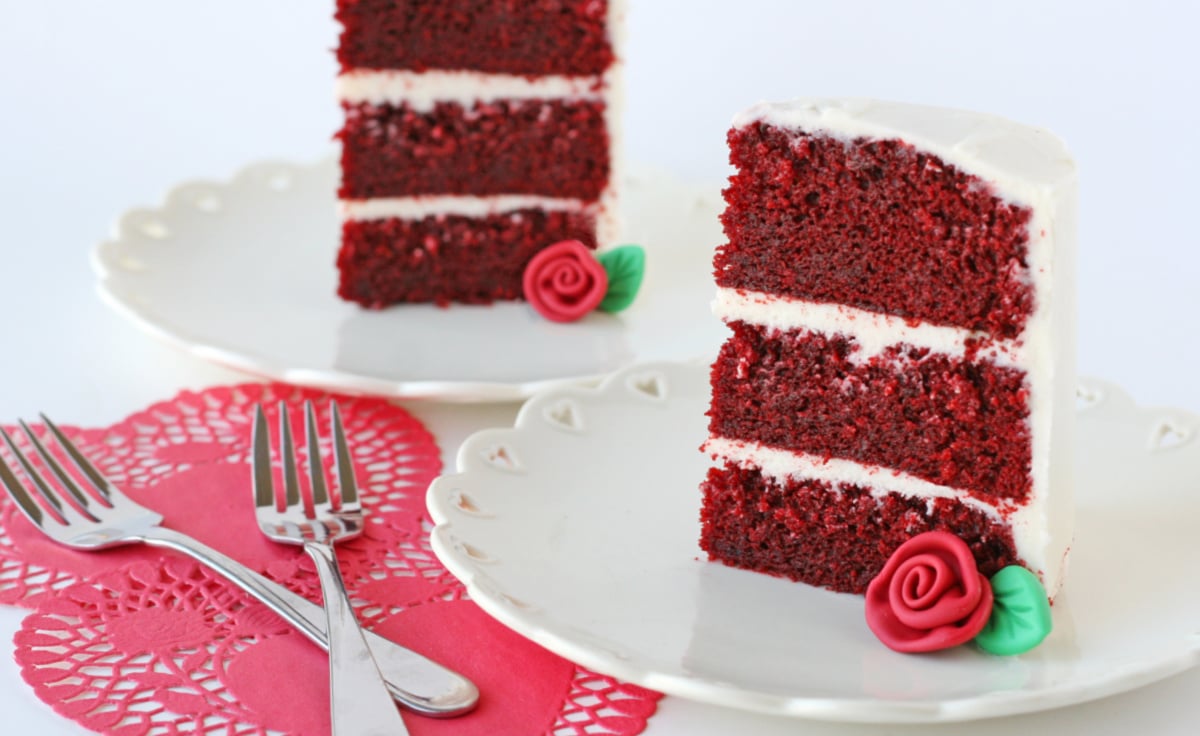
523	619
105	259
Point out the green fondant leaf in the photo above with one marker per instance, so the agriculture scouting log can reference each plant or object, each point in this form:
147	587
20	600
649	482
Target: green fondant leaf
1020	617
625	266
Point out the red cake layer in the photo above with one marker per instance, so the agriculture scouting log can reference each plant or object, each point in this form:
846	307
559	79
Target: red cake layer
951	422
877	225
530	37
554	148
445	258
835	538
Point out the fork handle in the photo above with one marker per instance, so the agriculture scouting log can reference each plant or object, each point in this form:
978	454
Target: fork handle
416	682
359	703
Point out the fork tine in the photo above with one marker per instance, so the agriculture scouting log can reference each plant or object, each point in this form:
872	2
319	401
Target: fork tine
316	473
347	485
17	490
287	453
264	487
66	511
63	478
94	476
38	482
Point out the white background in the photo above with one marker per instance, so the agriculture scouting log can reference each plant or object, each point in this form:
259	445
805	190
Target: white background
103	105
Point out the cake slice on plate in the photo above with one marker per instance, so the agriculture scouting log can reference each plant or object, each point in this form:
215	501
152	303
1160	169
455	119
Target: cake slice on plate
477	132
898	281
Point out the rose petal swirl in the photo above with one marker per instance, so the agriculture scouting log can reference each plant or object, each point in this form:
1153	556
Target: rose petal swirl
564	281
929	595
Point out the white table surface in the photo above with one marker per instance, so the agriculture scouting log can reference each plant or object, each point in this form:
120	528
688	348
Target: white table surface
105	105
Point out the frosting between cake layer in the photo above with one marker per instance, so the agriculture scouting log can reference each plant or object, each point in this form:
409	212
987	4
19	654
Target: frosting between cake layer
415	208
788	465
422	90
784	465
873	332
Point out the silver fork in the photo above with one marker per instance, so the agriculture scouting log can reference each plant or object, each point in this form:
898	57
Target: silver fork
105	517
358	699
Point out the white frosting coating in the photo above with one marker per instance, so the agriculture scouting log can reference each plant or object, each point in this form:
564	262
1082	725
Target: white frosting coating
608	218
784	465
1026	166
872	332
415	208
422	90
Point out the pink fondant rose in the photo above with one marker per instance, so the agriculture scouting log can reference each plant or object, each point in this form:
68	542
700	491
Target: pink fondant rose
929	595
565	281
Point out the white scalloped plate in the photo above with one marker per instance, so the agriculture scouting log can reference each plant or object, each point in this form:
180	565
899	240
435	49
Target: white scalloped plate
578	528
242	273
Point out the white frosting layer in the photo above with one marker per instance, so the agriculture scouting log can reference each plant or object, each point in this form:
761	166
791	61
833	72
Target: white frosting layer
608	219
422	90
1029	167
783	465
415	208
871	331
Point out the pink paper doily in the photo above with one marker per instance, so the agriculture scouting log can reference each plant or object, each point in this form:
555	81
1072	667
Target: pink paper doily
138	640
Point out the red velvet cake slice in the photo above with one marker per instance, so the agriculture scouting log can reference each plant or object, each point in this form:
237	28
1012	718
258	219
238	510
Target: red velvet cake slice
476	133
899	284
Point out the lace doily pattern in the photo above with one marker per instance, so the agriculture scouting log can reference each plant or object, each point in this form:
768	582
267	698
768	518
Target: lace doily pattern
138	640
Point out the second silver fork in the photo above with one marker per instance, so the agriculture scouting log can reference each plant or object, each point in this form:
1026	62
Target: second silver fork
359	701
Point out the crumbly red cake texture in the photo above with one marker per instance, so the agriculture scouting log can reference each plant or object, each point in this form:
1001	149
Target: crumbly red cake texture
449	258
554	148
837	538
872	224
881	226
531	37
951	422
414	143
